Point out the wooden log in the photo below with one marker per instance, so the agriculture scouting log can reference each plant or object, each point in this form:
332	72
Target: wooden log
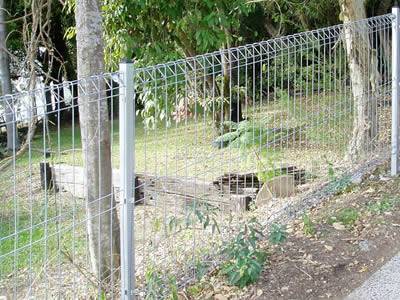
240	183
241	203
71	179
235	183
139	191
46	176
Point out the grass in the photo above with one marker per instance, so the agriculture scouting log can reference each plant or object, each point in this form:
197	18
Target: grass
182	150
34	239
185	149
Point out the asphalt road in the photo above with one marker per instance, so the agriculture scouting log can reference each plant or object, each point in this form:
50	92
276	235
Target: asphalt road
383	284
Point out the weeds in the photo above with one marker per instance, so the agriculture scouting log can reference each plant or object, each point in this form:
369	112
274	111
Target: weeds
203	213
200	269
308	225
159	285
337	184
245	258
278	234
382	206
340	185
347	216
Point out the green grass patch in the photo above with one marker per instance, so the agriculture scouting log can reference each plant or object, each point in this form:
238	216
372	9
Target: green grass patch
31	241
384	205
347	216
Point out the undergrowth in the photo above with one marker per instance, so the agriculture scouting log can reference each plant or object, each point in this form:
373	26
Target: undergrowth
245	258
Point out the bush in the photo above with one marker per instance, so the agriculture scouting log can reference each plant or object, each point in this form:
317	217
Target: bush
245	258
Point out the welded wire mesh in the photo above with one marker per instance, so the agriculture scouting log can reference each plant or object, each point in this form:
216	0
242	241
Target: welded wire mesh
219	138
287	113
49	233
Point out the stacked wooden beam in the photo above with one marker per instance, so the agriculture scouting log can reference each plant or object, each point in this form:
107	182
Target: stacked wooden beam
248	183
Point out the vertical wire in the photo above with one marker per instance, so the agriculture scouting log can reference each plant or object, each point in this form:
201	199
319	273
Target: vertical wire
30	192
325	102
205	167
375	92
331	99
213	124
318	117
341	118
145	243
44	120
285	138
16	218
274	146
156	164
369	49
346	104
73	107
165	214
263	130
175	224
292	141
335	129
204	170
254	116
112	204
314	115
99	194
82	92
382	95
281	107
301	98
229	112
186	171
267	103
196	162
58	220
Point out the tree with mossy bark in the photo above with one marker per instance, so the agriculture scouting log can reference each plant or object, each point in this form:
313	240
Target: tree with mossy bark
5	85
102	220
363	77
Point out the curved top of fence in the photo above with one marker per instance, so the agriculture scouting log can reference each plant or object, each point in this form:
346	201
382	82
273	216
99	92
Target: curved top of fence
269	48
68	83
207	62
86	85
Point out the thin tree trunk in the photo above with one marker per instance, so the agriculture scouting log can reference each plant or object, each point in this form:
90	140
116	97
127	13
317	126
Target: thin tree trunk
103	227
11	124
358	51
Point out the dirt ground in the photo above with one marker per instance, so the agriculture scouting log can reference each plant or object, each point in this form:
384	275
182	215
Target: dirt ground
355	233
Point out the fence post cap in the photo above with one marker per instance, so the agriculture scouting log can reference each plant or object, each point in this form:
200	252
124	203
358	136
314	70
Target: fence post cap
126	61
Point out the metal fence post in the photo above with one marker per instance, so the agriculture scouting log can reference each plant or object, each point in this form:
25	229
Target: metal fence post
395	90
126	169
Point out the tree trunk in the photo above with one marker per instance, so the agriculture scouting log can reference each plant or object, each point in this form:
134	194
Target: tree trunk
11	124
103	227
359	53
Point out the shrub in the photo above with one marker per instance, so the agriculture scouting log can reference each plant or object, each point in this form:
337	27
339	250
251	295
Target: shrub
245	258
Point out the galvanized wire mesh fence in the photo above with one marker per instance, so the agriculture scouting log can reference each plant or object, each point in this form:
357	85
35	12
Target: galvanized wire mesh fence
48	229
215	138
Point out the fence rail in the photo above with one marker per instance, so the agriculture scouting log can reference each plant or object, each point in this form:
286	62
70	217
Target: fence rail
131	183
